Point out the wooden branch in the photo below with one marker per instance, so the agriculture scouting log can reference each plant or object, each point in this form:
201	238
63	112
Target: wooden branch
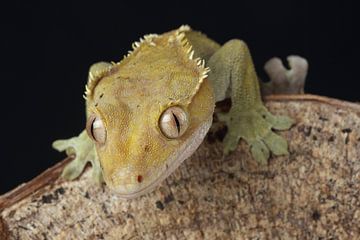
313	193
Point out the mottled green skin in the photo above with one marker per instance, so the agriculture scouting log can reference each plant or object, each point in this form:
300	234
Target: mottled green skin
160	74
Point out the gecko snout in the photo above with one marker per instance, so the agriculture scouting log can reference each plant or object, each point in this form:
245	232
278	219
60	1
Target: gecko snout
126	183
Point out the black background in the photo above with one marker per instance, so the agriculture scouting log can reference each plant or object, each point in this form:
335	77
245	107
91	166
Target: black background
46	51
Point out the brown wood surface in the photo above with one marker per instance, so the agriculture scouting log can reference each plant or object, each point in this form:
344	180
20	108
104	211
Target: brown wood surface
311	194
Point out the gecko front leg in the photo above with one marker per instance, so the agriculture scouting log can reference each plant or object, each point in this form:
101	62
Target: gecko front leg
82	146
84	150
232	68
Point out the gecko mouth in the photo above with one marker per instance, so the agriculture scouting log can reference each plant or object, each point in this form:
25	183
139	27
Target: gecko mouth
184	152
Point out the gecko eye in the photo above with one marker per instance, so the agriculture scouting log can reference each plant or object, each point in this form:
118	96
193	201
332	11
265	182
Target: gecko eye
173	122
96	130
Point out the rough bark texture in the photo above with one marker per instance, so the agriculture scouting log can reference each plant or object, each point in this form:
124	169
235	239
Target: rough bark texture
311	194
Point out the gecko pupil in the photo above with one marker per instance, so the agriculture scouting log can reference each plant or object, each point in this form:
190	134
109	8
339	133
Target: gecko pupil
177	123
92	129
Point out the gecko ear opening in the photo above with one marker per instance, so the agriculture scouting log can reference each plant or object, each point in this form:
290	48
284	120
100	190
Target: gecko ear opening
95	129
173	122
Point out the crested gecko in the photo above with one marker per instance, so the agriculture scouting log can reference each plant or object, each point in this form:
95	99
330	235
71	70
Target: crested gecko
149	112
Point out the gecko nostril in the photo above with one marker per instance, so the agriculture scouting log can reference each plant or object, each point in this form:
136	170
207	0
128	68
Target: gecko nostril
139	178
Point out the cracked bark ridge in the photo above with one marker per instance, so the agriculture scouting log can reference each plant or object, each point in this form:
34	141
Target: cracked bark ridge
3	230
311	194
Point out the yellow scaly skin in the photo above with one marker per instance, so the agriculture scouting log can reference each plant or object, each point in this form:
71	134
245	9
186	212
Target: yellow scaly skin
162	72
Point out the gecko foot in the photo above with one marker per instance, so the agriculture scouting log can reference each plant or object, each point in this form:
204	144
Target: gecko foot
84	150
283	80
255	127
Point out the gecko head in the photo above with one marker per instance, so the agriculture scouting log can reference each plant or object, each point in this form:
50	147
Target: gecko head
149	112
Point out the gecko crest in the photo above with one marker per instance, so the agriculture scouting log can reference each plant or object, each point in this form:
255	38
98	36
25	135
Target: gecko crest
172	41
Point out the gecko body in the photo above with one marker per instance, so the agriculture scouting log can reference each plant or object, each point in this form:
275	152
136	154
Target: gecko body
149	112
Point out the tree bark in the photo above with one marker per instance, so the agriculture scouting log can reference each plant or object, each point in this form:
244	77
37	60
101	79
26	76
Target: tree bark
311	194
